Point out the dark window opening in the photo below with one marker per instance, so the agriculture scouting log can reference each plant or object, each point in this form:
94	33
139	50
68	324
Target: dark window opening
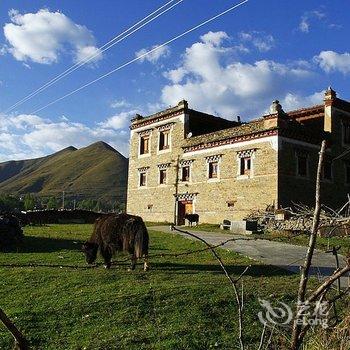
327	170
142	179
347	173
144	145
185	173
346	133
245	166
213	170
164	140
162	176
302	165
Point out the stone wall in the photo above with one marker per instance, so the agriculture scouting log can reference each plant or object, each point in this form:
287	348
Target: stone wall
302	190
273	179
155	202
230	196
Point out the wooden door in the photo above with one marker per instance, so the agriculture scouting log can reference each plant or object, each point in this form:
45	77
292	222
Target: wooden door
183	208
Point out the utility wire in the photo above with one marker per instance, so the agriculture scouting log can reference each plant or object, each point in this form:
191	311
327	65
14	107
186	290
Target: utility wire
141	56
120	37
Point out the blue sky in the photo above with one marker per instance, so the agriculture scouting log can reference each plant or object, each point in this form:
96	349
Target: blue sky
236	65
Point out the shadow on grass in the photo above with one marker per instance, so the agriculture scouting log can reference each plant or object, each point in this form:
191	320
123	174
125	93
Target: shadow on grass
46	245
254	270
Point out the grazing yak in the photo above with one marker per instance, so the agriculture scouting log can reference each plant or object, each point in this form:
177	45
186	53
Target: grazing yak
118	232
192	218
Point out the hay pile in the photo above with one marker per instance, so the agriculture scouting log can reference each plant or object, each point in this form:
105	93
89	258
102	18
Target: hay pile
11	233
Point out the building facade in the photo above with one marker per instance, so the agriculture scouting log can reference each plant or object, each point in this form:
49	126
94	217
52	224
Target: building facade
184	161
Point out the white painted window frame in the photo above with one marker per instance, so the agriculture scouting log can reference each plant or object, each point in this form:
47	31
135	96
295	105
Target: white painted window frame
246	154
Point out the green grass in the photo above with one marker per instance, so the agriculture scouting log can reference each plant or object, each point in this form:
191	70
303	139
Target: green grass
322	243
181	303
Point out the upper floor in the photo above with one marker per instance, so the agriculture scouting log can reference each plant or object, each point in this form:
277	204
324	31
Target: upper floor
177	134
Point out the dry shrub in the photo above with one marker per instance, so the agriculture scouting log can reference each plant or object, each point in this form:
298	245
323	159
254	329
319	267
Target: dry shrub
337	338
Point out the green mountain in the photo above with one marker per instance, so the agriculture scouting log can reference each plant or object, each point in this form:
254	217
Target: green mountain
94	172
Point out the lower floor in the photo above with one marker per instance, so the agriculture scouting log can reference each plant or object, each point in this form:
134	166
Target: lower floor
211	209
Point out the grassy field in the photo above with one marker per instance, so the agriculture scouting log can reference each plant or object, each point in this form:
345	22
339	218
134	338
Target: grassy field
181	303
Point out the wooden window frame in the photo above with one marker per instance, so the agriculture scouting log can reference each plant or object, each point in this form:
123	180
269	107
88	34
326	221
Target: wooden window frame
164	140
162	180
142	149
143	176
183	178
211	167
245	166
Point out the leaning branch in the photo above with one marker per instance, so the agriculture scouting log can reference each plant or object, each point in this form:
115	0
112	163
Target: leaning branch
20	340
311	247
231	280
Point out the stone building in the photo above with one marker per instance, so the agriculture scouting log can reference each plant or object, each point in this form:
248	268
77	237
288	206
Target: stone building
184	161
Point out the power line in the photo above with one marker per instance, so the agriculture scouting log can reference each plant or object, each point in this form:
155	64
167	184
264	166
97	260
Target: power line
141	56
120	37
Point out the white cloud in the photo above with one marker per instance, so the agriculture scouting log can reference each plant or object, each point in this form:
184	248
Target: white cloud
175	75
28	136
263	42
214	38
41	37
229	88
154	56
308	17
332	61
294	101
86	52
119	121
120	104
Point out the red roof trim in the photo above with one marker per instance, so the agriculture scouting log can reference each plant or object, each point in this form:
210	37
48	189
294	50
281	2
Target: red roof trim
148	121
231	140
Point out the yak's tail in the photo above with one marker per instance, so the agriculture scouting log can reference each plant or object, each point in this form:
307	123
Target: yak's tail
141	240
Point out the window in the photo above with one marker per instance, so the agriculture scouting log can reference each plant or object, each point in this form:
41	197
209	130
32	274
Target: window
185	176
164	140
346	134
327	170
213	170
347	173
142	179
162	176
245	165
144	144
302	165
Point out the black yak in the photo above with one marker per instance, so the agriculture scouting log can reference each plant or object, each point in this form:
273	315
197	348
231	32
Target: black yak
118	232
11	233
192	218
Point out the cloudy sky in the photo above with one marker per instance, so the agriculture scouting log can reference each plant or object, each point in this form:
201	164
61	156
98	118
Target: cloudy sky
236	65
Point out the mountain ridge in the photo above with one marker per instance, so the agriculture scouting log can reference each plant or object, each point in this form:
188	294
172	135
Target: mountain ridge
97	171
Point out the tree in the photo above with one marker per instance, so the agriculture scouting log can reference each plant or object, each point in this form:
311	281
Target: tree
29	202
9	203
52	203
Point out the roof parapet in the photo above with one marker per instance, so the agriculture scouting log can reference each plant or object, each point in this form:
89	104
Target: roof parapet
137	118
276	108
329	97
183	104
276	117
